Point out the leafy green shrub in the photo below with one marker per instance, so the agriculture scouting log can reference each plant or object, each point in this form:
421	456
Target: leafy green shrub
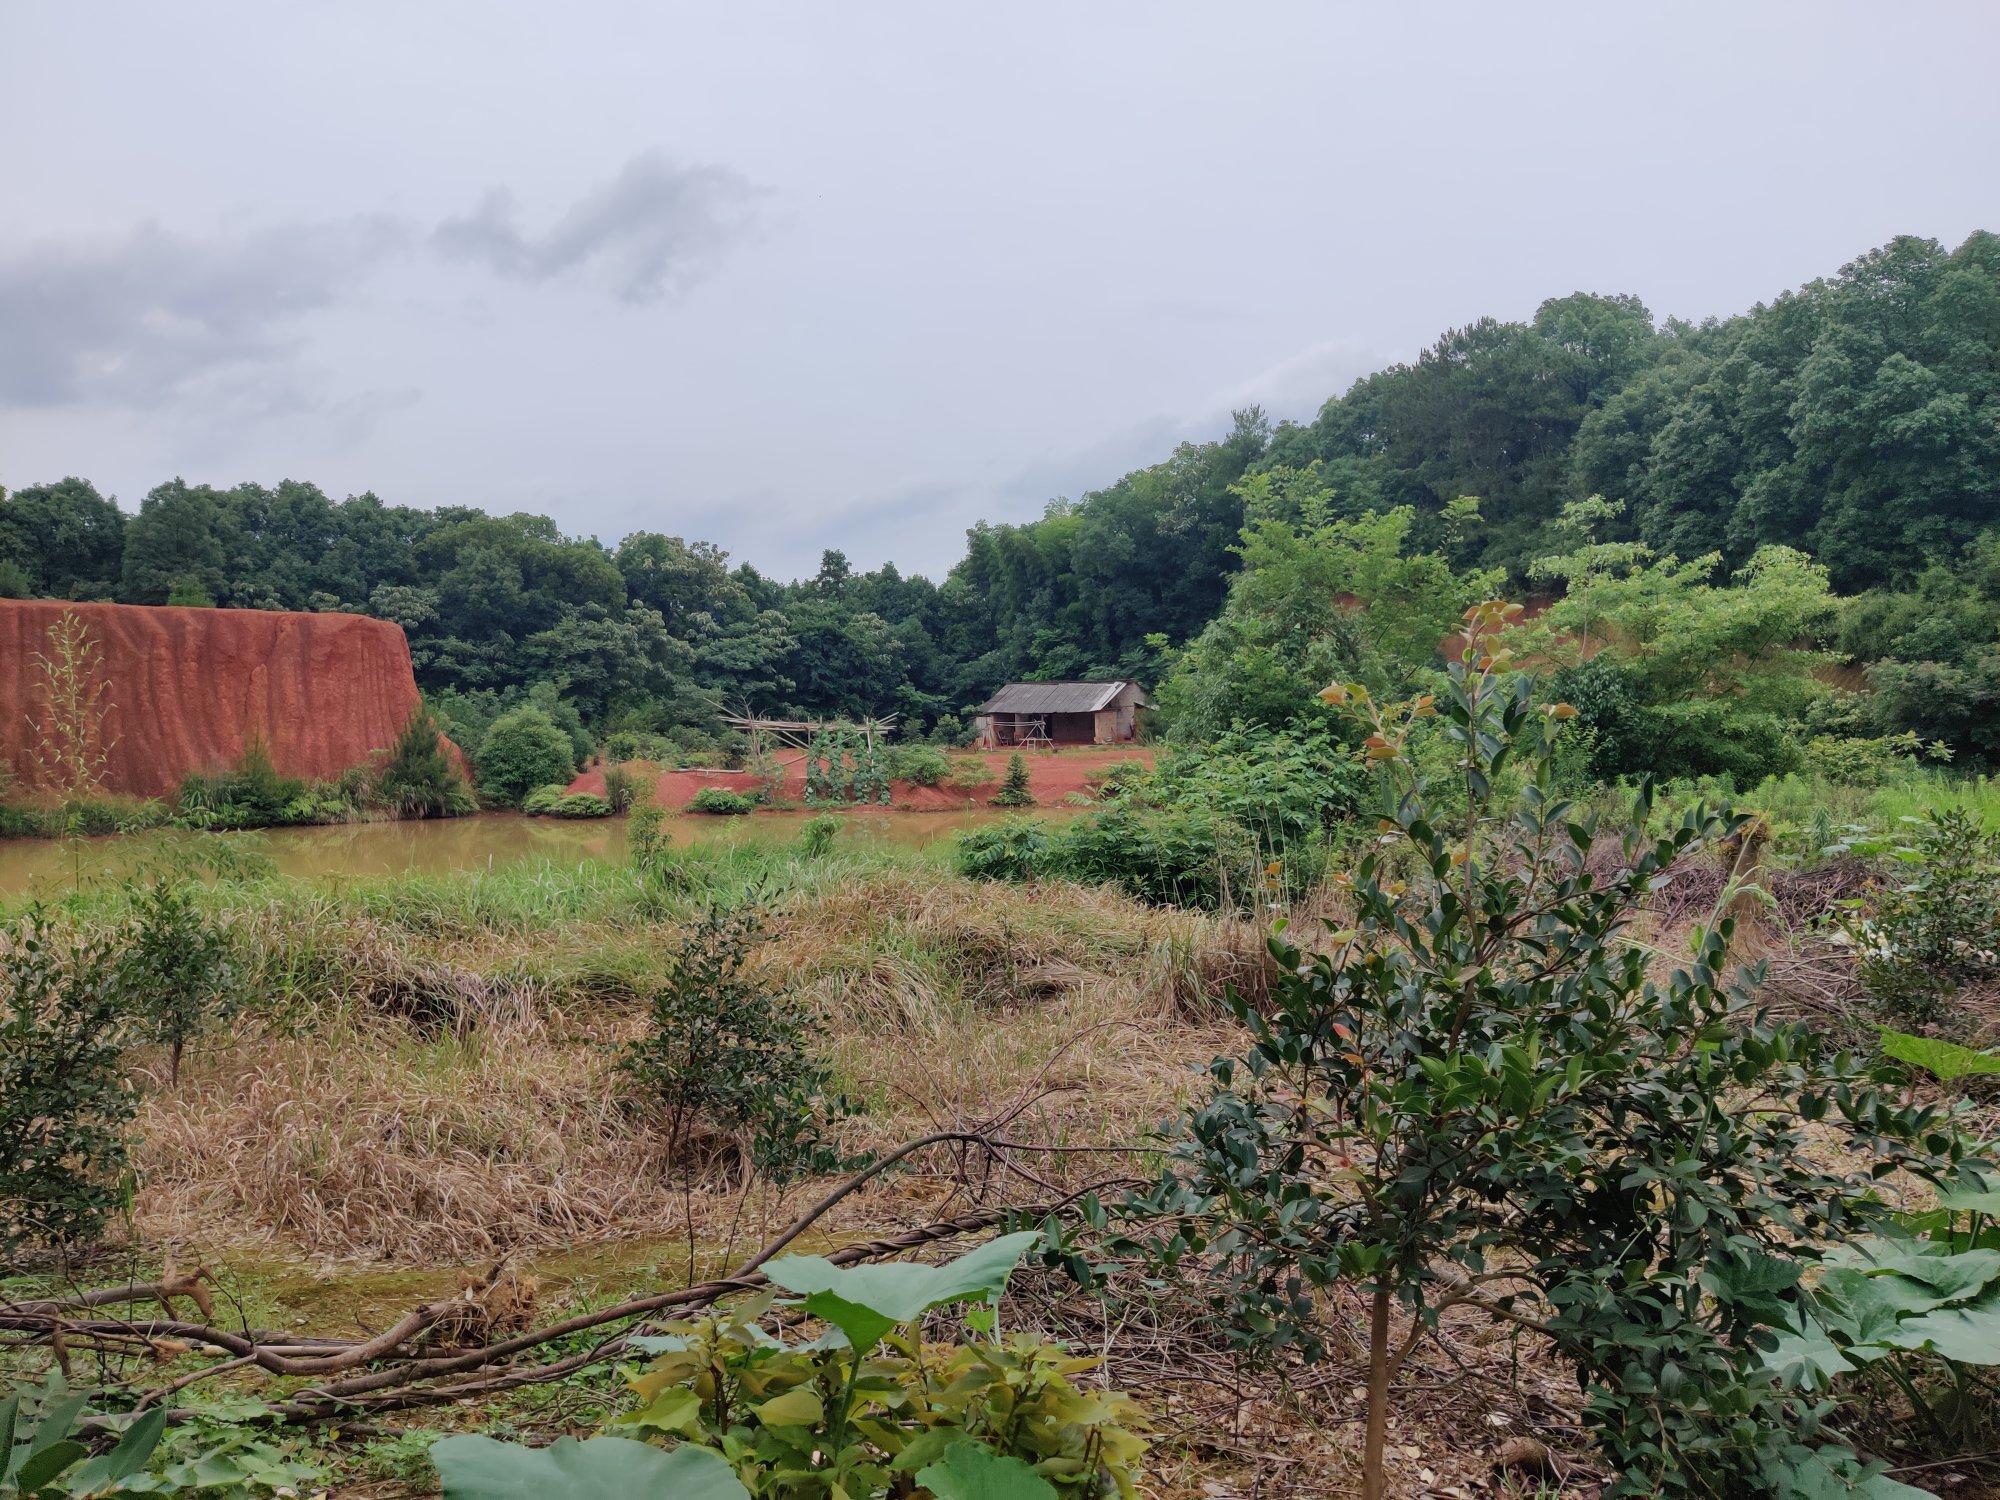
176	969
317	804
1014	789
419	779
884	1405
919	765
1118	778
969	774
1179	857
543	798
64	1103
558	801
1281	787
771	778
1012	850
1183	857
818	835
722	802
727	1061
253	795
648	849
950	731
1937	931
1481	1097
1852	760
622	785
523	749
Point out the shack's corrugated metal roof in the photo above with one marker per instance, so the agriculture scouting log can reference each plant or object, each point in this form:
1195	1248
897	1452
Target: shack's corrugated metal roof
1056	697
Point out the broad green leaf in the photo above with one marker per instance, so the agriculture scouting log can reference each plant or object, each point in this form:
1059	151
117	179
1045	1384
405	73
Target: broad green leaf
1946	1061
1808	1358
676	1409
1952	1277
1970	1200
796	1408
657	1343
1970	1335
480	1468
44	1463
1810	1476
969	1471
125	1460
865	1302
59	1413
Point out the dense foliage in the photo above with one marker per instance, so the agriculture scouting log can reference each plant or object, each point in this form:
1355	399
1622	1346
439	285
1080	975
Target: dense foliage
64	1099
177	971
1852	421
1934	932
523	749
875	1408
1480	1095
726	1061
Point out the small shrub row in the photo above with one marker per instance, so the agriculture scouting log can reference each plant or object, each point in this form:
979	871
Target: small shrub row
919	765
1180	857
558	801
722	802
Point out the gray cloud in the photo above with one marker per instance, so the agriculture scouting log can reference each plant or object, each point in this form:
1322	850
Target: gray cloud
651	231
149	319
157	320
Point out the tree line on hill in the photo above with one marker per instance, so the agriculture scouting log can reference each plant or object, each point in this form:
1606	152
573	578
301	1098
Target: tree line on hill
1826	464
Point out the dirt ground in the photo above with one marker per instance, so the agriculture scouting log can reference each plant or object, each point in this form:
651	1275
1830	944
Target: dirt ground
1052	775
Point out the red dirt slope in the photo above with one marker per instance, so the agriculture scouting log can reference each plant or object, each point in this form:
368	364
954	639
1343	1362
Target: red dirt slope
1051	776
190	688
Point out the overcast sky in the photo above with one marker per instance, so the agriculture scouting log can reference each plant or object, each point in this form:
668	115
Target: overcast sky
861	274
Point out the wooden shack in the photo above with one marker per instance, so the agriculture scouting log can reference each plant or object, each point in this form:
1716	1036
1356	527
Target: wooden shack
1061	713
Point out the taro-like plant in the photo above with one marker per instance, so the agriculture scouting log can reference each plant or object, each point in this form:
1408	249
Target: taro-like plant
868	1410
872	1405
471	1467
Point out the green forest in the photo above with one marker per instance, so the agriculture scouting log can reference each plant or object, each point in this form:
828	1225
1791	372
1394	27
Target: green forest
1822	472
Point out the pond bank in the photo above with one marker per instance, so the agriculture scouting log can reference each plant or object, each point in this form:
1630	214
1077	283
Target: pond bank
48	868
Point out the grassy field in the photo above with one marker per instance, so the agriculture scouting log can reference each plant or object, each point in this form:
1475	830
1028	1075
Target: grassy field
423	1094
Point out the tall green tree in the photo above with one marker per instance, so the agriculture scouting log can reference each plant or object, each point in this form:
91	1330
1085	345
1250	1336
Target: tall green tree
66	539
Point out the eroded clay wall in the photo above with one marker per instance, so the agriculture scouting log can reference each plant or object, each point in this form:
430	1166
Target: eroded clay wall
189	688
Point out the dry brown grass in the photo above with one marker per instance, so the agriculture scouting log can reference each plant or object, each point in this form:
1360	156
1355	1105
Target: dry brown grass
455	1101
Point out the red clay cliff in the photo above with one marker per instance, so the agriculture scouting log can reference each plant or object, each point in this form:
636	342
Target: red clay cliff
191	688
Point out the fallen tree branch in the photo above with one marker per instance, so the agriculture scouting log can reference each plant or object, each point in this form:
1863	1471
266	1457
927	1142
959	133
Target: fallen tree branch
374	1378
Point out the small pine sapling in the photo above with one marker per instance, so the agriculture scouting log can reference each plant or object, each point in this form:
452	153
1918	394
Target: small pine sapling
1015	791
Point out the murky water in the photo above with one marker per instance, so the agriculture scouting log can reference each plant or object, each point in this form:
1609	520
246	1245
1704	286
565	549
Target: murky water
30	867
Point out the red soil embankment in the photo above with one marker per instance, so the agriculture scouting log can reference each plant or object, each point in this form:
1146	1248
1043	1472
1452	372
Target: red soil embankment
1052	777
189	689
